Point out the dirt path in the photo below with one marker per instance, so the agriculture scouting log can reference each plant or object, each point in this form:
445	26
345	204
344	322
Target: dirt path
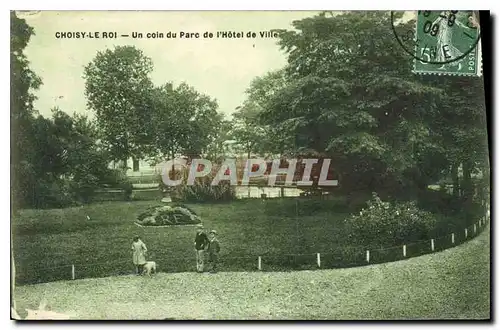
450	284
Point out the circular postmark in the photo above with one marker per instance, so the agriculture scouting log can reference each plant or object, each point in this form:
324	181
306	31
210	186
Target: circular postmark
440	37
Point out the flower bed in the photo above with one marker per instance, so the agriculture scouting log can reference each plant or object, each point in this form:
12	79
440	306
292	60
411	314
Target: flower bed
168	215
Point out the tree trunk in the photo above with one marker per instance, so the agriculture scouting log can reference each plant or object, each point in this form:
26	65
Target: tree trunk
125	164
456	181
248	157
467	186
485	187
421	182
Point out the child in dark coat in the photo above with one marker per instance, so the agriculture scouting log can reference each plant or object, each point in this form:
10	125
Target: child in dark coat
200	243
213	251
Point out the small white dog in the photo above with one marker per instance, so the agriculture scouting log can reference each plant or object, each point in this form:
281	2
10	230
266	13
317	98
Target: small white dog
149	268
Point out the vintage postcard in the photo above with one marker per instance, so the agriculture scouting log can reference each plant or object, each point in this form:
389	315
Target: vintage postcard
260	165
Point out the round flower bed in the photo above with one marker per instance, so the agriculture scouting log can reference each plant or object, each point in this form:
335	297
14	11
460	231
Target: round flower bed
166	215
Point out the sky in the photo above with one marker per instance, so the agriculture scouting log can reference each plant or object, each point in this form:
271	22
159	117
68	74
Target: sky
221	68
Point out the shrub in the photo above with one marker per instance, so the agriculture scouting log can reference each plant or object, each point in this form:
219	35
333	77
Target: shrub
456	208
53	194
83	187
383	224
116	178
127	190
439	201
203	191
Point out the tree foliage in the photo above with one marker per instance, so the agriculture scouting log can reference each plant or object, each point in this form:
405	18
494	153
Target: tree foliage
184	121
22	84
461	126
70	164
251	135
218	147
54	161
349	93
118	87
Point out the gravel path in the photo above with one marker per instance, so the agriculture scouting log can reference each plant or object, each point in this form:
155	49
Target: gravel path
454	283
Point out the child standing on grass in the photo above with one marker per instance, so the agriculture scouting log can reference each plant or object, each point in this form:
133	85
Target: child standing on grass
139	254
200	243
213	251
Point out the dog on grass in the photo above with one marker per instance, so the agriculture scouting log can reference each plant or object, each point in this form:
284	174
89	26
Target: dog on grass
149	268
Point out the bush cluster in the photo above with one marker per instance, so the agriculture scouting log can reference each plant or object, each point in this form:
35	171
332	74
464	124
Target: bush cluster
384	224
203	191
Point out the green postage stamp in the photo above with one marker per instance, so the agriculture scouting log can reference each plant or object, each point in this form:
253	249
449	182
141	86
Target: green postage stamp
448	42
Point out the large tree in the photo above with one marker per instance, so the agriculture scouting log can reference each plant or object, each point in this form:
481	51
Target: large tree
216	149
68	161
248	134
118	90
252	136
462	128
22	84
23	81
184	121
352	96
53	160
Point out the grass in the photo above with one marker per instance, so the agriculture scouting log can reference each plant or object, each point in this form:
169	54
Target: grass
101	246
452	284
48	242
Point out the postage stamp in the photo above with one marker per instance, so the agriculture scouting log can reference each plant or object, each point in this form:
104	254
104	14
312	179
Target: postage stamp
447	42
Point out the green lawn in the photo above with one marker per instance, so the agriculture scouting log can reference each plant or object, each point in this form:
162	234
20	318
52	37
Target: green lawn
452	284
48	242
101	246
